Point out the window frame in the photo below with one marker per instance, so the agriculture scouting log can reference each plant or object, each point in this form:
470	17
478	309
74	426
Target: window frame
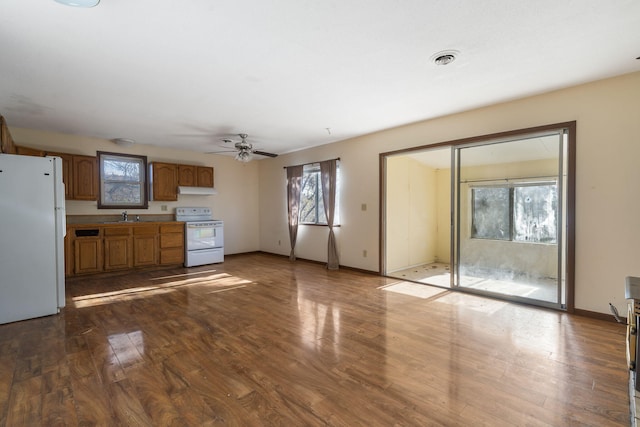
511	187
312	168
142	182
315	168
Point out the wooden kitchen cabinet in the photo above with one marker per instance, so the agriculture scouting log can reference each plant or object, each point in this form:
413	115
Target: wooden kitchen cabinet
26	151
7	145
145	245
68	253
204	176
87	255
95	248
187	176
195	176
67	172
164	181
85	177
118	253
171	244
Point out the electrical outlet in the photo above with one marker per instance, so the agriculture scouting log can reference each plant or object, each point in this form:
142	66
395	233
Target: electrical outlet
163	208
364	253
363	207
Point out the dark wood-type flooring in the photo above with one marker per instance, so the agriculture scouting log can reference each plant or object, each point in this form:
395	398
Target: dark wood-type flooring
262	341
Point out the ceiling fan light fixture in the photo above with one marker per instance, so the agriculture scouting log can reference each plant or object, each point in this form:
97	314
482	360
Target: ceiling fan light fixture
243	156
79	3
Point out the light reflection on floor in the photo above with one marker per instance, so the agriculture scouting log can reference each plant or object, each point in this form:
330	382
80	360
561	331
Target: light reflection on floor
217	282
438	274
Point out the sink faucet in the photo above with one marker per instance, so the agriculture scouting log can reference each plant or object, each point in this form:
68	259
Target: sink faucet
124	215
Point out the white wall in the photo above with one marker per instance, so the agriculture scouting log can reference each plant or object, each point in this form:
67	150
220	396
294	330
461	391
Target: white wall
236	203
608	177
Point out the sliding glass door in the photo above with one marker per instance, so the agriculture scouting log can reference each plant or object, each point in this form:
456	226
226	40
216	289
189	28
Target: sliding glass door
509	216
491	215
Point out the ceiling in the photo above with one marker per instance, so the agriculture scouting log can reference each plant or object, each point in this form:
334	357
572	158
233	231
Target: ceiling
293	73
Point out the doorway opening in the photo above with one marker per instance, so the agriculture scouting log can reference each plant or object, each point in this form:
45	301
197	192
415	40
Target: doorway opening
491	215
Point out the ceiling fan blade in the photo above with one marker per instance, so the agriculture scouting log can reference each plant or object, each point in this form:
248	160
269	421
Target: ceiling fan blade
220	152
264	153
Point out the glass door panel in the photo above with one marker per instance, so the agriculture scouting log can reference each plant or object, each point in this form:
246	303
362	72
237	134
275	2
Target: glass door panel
508	218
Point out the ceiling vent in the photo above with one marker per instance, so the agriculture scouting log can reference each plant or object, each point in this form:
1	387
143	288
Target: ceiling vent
444	57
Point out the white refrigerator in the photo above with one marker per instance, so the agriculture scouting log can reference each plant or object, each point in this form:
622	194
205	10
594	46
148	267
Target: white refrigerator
32	230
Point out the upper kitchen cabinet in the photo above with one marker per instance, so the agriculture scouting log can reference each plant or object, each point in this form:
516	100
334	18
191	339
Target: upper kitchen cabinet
163	181
6	142
195	176
85	177
67	172
187	176
204	176
27	151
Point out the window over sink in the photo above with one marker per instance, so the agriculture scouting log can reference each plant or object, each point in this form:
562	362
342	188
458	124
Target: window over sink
123	180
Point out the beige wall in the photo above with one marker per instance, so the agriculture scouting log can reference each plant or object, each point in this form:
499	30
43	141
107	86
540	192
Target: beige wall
237	183
411	213
607	172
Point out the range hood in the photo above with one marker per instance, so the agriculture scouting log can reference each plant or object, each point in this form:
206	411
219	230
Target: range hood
197	191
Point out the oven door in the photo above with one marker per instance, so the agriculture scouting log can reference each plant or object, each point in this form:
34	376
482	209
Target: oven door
203	235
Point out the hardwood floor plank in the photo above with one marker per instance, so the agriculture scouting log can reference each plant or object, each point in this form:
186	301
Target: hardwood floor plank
25	404
260	341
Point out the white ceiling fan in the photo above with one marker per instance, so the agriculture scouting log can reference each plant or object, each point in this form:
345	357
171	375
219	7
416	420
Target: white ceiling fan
244	150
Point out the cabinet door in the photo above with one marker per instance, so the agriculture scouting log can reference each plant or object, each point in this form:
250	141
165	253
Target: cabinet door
165	181
117	253
205	176
145	245
85	178
88	255
67	172
145	250
187	175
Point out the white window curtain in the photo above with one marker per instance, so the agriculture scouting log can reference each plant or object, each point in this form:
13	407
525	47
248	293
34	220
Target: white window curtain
328	171
294	183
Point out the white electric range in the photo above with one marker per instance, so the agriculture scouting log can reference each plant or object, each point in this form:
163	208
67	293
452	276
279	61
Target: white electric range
203	236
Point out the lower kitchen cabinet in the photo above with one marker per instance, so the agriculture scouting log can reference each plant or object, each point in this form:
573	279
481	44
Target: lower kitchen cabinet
97	248
88	255
117	253
172	244
145	245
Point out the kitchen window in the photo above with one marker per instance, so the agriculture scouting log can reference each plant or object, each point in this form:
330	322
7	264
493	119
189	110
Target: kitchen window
518	212
122	181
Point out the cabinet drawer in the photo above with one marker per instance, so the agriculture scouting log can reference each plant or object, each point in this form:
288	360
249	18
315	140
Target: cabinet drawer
117	231
145	230
172	228
172	256
174	240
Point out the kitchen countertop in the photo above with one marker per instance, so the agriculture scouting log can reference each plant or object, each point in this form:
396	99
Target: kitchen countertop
116	219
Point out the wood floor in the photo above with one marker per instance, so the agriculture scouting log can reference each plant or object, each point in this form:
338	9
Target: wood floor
262	341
